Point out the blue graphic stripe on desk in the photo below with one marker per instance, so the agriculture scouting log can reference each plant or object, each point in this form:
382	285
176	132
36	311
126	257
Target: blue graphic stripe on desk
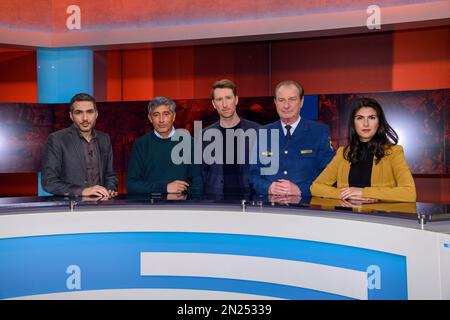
37	265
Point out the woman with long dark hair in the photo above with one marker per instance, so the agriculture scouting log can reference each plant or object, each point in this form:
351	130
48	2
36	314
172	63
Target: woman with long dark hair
372	166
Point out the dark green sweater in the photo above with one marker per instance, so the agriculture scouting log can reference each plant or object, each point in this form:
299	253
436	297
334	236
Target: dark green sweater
150	168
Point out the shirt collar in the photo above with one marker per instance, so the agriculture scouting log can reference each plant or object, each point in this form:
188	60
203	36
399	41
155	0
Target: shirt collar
293	126
172	132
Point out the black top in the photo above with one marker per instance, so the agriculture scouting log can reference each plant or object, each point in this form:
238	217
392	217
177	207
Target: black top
231	171
361	172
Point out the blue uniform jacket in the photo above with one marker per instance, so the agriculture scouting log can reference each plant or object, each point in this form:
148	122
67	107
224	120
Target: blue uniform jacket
301	158
213	174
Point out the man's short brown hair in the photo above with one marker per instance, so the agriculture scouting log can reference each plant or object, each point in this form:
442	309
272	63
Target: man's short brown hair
221	84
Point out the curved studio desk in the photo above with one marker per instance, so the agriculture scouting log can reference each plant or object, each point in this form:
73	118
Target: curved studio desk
154	248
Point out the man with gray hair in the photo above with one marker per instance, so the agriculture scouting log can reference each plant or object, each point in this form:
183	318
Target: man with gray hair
303	148
151	168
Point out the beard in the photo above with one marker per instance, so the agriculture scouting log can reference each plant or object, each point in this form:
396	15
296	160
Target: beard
85	128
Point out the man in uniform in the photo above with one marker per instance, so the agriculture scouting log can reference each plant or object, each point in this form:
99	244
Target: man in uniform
303	149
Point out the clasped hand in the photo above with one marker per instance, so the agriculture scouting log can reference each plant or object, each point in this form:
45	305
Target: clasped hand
98	192
284	187
354	193
177	186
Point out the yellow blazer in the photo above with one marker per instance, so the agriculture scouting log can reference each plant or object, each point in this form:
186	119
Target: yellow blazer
391	178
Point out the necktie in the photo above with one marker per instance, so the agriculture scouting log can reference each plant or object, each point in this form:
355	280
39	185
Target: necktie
288	129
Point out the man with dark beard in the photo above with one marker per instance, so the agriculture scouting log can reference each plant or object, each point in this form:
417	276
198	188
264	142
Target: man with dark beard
78	161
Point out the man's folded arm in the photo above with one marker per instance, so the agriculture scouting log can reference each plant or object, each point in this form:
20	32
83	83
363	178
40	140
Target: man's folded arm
257	181
51	171
136	182
111	179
